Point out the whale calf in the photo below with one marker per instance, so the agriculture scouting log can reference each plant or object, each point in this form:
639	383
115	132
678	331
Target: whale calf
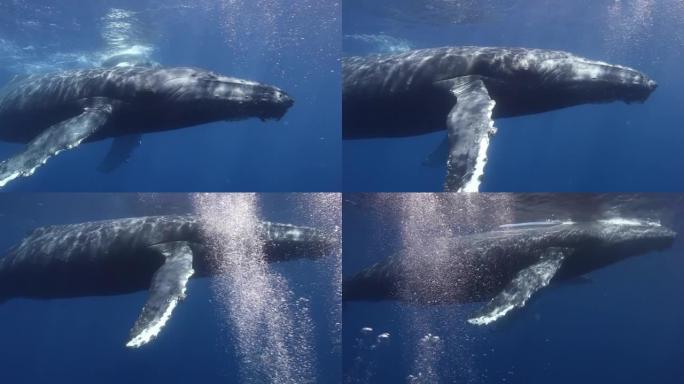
112	257
463	89
507	266
55	112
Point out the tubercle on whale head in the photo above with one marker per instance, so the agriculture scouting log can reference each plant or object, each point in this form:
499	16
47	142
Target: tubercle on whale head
279	250
633	85
605	82
615	237
567	79
634	236
285	242
219	97
263	101
280	102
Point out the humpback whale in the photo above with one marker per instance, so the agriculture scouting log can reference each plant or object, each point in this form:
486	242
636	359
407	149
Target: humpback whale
463	89
55	112
113	257
507	266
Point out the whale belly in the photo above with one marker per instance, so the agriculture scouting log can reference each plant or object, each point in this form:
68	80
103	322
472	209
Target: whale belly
44	276
394	115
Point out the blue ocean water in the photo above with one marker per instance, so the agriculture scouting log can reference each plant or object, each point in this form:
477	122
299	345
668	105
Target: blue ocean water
82	340
604	148
622	324
270	41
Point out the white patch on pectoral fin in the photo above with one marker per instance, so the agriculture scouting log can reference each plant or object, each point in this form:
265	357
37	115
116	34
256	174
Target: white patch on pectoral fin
470	128
166	291
59	137
522	287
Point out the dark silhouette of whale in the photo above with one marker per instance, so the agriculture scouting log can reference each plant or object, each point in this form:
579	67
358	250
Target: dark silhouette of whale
55	112
507	266
127	255
465	88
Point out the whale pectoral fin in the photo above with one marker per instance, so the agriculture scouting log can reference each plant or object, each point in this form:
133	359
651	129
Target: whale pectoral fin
470	127
167	290
439	156
119	152
522	287
59	137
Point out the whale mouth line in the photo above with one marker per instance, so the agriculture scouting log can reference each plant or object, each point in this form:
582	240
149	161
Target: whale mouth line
620	221
535	224
631	222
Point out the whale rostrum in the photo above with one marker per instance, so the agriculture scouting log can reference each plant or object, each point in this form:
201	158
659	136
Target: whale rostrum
157	253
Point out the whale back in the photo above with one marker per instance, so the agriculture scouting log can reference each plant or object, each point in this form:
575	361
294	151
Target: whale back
414	69
102	238
55	89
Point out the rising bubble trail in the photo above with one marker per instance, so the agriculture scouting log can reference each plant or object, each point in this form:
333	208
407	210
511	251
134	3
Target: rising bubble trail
271	326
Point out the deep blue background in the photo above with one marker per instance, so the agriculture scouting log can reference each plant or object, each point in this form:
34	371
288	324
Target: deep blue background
624	326
302	152
611	147
82	340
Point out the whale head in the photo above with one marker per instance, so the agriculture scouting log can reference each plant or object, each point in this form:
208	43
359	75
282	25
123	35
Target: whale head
632	237
288	242
207	96
603	242
577	80
608	82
